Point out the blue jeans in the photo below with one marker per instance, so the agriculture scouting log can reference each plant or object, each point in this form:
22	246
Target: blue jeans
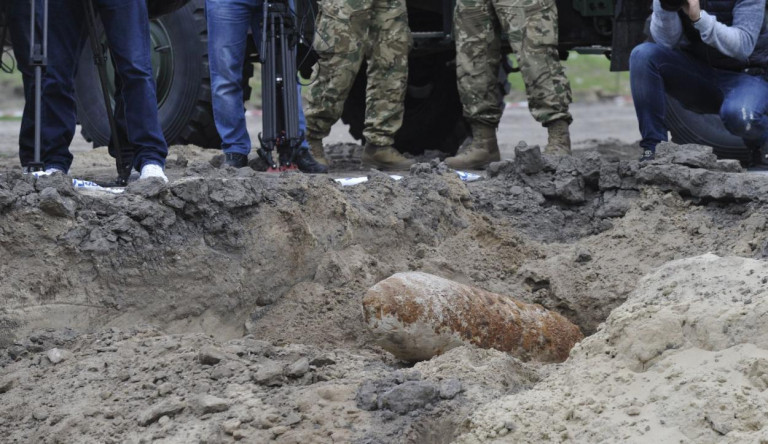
740	99
228	24
127	28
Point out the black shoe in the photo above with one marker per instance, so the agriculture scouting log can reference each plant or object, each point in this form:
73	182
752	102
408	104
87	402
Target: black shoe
308	164
759	160
236	160
647	155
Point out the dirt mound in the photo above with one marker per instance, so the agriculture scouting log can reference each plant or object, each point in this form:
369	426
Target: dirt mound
286	259
685	359
209	253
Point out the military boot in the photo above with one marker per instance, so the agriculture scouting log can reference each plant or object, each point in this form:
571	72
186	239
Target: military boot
316	148
385	158
559	139
483	150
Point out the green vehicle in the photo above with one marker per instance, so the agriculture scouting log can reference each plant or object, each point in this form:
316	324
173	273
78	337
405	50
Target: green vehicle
609	27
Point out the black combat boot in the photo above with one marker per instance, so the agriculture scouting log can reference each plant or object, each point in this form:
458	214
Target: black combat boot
760	158
308	164
236	160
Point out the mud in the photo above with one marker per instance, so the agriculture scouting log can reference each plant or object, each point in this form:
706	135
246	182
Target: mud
227	305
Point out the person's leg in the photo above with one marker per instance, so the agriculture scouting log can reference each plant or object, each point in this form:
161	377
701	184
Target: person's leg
532	33
478	60
228	23
744	111
655	71
58	109
20	35
387	71
302	117
478	63
126	24
340	32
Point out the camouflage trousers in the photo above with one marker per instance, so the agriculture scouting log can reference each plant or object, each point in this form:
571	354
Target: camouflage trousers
348	32
531	27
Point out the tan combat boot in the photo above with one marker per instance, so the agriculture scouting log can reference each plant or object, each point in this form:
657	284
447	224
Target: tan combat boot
483	150
316	148
559	139
385	158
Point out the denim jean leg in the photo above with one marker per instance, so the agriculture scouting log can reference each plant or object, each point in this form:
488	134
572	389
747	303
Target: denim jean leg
302	117
656	70
228	23
744	111
20	35
58	110
302	121
126	24
120	122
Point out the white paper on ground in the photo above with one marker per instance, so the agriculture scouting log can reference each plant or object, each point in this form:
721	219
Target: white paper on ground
348	181
84	184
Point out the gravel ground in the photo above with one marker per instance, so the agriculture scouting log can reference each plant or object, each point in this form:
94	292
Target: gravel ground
596	125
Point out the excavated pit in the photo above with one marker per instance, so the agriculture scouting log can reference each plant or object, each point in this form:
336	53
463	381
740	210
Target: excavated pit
253	282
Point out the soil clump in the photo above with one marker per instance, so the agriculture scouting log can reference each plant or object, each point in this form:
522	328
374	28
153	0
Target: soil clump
226	305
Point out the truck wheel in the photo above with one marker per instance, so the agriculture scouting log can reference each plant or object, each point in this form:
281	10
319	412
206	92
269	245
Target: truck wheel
704	129
180	63
433	117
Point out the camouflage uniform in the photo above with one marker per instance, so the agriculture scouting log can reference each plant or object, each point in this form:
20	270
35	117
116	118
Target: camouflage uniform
531	26
348	32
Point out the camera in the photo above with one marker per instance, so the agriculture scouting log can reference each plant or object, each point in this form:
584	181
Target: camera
673	5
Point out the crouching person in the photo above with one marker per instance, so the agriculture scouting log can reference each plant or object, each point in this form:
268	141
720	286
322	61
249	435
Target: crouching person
712	57
126	25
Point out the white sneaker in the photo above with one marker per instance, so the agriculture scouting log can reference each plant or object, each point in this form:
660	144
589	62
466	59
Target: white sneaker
152	170
51	170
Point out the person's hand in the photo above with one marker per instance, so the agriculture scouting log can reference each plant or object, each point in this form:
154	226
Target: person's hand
693	9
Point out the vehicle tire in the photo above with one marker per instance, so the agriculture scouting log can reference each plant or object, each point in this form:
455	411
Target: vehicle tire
180	63
433	116
687	126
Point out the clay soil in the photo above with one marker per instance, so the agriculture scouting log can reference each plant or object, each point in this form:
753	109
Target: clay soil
226	305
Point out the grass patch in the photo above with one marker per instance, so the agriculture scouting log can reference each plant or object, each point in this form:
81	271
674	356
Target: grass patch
12	79
590	78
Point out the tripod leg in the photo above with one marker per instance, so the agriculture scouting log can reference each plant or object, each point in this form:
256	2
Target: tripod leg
39	59
289	91
269	135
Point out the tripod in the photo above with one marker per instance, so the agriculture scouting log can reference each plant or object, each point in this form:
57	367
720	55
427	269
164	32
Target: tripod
279	40
39	59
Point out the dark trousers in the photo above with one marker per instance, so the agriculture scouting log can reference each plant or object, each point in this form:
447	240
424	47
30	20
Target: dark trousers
126	25
740	99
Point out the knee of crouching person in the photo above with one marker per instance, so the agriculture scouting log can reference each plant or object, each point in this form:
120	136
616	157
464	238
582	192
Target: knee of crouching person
642	54
739	119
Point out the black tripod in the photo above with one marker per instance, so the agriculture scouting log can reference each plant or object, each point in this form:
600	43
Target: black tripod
279	40
39	59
